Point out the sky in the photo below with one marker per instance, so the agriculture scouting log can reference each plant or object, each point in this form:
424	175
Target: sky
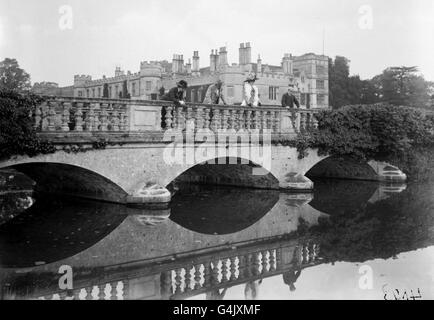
94	36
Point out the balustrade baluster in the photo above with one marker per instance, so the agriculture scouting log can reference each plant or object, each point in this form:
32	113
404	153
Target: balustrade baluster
225	119
126	118
181	125
51	116
197	276
113	291
272	260
256	264
90	119
215	121
178	281
233	268
276	122
65	116
264	261
263	120
188	278
269	115
225	270
104	117
256	120
79	117
248	119
190	121
215	273
115	117
302	122
207	274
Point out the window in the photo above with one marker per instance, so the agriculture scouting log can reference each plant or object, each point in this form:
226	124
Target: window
87	93
133	88
116	91
302	79
320	84
148	85
320	99
303	99
231	92
93	93
320	69
99	92
110	92
80	93
272	93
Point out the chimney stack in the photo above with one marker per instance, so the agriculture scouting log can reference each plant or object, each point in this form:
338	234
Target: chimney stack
223	59
248	53
259	65
196	61
241	56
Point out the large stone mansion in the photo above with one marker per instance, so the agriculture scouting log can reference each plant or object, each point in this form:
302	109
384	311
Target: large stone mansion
308	72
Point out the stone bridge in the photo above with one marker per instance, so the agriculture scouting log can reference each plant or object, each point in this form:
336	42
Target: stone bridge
129	151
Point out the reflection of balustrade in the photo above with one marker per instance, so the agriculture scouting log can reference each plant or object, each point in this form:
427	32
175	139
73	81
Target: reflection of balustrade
106	291
116	115
180	280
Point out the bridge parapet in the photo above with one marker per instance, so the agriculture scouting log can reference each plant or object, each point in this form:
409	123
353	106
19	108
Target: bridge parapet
87	115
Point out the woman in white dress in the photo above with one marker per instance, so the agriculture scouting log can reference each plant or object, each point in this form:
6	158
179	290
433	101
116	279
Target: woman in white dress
250	91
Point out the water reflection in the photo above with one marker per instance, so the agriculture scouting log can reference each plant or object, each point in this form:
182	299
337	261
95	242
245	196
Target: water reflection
220	210
220	243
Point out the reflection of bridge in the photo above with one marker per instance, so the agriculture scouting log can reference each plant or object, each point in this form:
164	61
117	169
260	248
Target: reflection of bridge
136	164
187	277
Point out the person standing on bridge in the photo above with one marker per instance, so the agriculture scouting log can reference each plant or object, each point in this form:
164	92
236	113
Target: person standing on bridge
288	102
214	94
250	91
177	94
289	99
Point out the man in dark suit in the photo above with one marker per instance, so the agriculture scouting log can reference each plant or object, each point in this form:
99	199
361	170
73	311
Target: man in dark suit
177	94
288	99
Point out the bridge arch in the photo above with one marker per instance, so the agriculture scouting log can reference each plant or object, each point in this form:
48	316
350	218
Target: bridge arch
232	171
67	179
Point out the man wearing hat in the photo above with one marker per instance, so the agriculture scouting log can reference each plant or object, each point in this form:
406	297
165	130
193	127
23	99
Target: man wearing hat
288	98
177	94
250	91
214	94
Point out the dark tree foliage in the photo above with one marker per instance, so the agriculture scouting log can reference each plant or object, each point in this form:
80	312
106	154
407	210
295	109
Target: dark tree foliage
17	135
12	77
364	132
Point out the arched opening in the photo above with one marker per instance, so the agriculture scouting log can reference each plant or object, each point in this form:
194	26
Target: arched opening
342	168
65	179
229	171
222	196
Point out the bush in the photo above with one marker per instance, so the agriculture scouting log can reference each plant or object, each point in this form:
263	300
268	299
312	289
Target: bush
17	135
379	132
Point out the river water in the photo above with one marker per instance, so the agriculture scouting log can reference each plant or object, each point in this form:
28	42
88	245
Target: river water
346	240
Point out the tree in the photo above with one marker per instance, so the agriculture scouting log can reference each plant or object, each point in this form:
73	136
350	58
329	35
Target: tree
338	81
12	77
402	86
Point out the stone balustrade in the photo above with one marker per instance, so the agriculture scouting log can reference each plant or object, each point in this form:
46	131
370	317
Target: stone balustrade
86	115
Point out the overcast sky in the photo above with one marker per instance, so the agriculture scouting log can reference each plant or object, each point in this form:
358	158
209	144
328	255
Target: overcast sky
106	33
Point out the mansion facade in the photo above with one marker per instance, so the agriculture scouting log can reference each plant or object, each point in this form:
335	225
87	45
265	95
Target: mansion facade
308	73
